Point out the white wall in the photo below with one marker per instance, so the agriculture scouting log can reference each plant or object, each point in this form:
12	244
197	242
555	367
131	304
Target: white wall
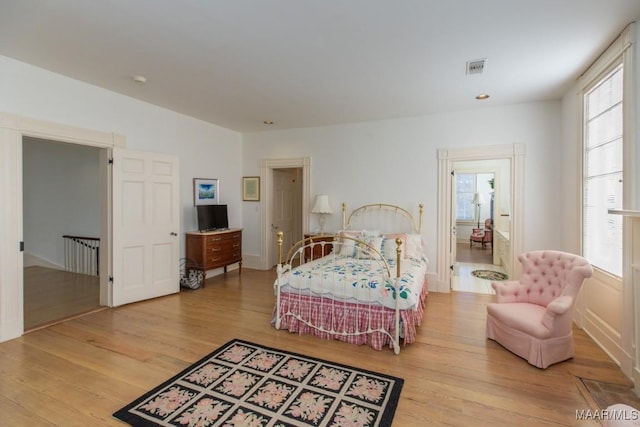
61	196
571	173
395	161
205	150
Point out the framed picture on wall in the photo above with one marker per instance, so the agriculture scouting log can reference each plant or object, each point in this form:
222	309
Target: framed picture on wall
206	191
251	188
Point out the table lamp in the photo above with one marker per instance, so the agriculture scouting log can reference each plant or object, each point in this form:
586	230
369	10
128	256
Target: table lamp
322	207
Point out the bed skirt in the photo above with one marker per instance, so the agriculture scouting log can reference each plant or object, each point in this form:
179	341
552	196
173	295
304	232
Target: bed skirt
341	320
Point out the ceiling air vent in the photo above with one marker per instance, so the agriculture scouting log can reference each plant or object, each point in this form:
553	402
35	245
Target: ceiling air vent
476	67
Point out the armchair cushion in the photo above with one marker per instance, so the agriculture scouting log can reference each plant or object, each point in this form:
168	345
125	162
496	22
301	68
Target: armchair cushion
477	235
526	318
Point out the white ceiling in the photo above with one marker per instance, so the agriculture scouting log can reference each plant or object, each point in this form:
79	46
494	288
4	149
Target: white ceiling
305	63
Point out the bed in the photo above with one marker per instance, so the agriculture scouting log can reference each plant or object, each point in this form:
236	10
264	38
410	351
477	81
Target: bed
364	285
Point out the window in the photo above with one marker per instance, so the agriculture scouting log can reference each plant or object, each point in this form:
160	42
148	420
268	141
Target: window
465	188
603	171
467	185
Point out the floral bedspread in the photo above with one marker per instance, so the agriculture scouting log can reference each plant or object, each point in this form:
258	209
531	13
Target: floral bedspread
358	280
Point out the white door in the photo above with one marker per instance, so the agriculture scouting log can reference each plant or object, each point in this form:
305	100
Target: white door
283	212
145	225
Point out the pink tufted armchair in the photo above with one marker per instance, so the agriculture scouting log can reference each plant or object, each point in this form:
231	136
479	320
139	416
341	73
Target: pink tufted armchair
533	317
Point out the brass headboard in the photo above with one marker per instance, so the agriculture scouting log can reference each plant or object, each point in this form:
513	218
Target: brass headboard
347	221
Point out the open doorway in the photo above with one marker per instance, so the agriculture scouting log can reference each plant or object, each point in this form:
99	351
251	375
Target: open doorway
61	220
477	194
508	210
139	217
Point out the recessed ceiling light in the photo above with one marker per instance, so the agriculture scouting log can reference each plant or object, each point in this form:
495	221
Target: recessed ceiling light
268	122
482	96
140	79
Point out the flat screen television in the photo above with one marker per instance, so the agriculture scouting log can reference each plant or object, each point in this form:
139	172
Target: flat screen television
212	217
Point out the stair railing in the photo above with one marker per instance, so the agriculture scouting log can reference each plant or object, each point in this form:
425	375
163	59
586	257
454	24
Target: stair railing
82	254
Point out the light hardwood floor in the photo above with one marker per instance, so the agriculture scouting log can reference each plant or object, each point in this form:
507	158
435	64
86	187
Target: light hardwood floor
52	295
473	254
79	372
469	259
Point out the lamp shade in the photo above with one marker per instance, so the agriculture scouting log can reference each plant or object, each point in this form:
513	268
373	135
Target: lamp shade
478	199
322	205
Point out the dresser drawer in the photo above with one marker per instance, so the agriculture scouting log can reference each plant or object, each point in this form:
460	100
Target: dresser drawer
223	258
223	246
226	250
213	239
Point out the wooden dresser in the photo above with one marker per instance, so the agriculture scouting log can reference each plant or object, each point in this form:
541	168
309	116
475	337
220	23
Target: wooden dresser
215	249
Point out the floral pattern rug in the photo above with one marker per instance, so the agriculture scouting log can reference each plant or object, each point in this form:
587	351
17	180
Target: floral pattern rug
246	384
489	275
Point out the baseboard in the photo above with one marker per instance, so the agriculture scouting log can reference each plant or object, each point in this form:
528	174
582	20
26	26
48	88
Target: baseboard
31	260
219	271
436	285
253	261
606	338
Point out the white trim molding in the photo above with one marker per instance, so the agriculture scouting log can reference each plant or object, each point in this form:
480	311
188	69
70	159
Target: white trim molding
12	130
59	132
266	201
629	350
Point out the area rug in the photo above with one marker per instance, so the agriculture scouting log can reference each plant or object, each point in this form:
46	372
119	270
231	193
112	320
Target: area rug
246	384
489	275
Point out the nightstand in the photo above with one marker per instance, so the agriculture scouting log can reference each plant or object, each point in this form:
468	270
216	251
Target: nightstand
318	250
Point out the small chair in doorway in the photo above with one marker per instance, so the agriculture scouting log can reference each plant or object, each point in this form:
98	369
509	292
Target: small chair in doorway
482	236
533	317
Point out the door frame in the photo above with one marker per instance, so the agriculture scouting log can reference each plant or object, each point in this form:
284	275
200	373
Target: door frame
446	159
294	175
266	202
13	128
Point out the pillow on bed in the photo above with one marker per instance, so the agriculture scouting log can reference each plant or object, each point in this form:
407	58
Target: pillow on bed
370	233
347	247
360	234
373	242
356	234
389	245
414	247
